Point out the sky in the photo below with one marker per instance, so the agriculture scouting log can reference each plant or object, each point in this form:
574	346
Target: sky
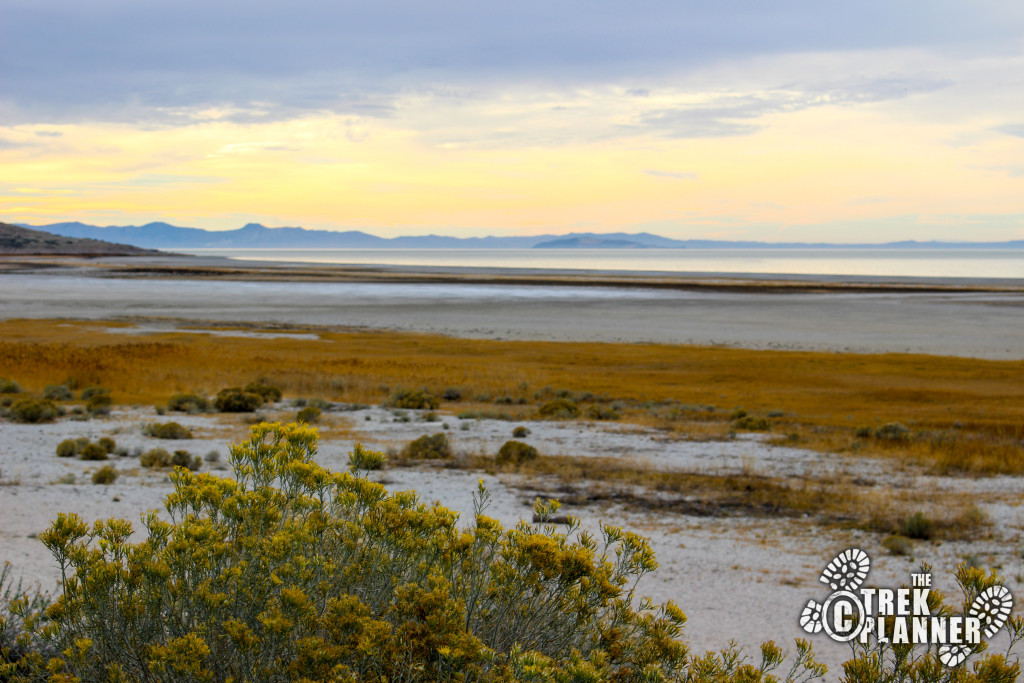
777	121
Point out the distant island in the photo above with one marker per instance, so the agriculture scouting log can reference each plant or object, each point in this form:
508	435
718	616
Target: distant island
17	240
256	236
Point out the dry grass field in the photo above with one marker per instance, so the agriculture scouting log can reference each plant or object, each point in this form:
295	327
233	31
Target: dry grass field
960	415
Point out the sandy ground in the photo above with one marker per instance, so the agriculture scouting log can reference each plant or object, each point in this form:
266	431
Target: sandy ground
944	317
737	577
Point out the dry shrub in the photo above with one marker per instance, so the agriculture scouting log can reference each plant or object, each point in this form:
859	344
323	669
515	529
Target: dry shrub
93	451
559	409
167	430
413	399
33	411
187	403
235	400
269	392
105	475
155	457
68	448
309	415
433	447
515	452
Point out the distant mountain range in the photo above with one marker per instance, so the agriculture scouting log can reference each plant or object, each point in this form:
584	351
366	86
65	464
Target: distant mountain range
255	236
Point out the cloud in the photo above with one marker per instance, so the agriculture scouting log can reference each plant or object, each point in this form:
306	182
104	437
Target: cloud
741	114
158	61
48	133
671	174
1016	130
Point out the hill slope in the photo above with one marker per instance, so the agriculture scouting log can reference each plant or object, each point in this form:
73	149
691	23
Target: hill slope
23	241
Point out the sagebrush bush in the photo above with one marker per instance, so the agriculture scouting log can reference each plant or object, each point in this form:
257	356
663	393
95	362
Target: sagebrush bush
559	409
520	432
155	457
600	412
515	452
753	424
187	403
428	447
413	399
93	451
32	411
898	545
93	390
893	431
919	526
9	386
452	394
57	392
108	444
99	404
68	448
166	430
267	391
185	459
234	400
105	475
309	415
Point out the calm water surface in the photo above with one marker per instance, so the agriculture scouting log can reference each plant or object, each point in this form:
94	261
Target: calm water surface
969	263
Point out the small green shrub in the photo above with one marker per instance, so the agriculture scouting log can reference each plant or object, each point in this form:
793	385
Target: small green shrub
892	431
413	399
864	432
9	386
898	545
234	400
166	430
187	403
93	451
738	414
155	457
918	526
94	390
57	392
515	452
435	447
600	412
559	409
186	460
520	432
32	411
309	415
430	416
99	404
212	456
269	392
105	475
109	445
753	424
68	448
452	394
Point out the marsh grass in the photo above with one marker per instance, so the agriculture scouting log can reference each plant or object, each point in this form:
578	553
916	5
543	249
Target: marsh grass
964	415
836	501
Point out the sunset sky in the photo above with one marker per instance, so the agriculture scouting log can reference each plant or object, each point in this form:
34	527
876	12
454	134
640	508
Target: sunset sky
776	121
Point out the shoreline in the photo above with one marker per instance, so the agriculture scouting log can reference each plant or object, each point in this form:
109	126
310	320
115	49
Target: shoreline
175	266
861	315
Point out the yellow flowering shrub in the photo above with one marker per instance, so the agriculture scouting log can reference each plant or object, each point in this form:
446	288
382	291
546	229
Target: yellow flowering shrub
291	572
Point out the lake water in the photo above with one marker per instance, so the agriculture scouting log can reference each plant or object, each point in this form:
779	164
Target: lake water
965	263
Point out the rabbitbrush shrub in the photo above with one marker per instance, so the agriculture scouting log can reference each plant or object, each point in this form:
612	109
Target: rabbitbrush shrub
289	571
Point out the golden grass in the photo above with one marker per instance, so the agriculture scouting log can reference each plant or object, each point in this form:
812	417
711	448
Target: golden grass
965	415
836	501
